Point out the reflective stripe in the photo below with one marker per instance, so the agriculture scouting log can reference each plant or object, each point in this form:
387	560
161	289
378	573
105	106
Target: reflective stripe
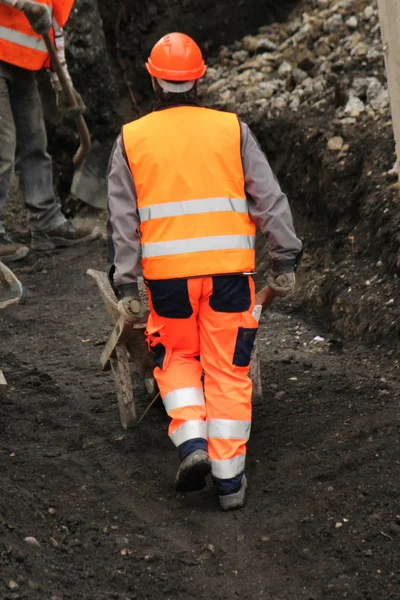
27	41
226	429
204	244
226	469
193	207
183	397
189	431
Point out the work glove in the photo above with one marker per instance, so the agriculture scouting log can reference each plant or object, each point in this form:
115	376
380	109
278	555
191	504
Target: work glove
67	111
282	284
38	16
130	308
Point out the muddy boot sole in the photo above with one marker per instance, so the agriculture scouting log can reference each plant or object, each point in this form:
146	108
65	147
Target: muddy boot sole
192	472
236	500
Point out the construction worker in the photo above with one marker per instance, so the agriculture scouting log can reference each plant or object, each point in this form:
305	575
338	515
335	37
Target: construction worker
23	139
189	185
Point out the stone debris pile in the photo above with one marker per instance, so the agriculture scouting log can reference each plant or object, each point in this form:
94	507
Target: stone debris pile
330	57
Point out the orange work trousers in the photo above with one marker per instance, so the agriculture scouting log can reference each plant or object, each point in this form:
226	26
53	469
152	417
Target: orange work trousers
199	326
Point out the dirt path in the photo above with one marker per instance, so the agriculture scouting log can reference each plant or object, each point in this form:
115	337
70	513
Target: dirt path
323	466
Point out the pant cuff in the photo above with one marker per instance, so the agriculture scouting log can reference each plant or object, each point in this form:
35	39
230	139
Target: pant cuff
191	446
228	486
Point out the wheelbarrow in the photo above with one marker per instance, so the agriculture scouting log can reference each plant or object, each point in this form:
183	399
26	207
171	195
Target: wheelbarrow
10	293
127	344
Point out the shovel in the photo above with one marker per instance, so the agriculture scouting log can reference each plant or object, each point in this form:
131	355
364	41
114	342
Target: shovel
89	183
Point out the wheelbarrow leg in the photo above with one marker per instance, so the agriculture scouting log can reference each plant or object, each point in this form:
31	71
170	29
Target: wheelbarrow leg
123	384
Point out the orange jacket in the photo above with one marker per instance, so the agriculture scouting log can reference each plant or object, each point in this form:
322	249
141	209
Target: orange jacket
19	44
188	174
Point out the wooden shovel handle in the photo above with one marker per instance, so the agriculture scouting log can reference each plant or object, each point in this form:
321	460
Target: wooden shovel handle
80	122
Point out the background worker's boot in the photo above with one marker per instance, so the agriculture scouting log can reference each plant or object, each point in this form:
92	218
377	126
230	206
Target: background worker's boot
192	472
10	250
62	237
236	500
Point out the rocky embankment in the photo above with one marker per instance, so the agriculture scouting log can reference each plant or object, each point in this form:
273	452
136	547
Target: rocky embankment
314	90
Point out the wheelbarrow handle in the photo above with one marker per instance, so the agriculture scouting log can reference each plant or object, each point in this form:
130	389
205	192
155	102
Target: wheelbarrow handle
265	297
80	122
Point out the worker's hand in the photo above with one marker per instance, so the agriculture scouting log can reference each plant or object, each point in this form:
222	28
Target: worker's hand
130	308
38	15
282	284
67	111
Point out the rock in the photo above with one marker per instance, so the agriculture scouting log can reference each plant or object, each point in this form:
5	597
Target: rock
250	43
352	22
359	87
368	13
285	69
335	144
382	101
240	56
13	585
32	541
299	75
354	107
323	3
266	44
360	49
334	23
269	87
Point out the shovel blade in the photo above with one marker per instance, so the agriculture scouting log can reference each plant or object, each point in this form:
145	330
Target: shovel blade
89	183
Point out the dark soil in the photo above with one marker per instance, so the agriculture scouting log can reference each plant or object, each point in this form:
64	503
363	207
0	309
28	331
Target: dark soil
323	466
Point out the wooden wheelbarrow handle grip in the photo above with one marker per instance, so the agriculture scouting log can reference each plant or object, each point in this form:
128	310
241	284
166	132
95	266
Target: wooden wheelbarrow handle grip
265	297
80	122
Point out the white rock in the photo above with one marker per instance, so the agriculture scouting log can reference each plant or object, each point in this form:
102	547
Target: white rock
285	69
368	12
32	541
334	23
266	44
352	22
335	144
13	585
382	101
354	107
318	340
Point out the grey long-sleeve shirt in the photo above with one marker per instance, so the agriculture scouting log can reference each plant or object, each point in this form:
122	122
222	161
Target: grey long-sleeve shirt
268	207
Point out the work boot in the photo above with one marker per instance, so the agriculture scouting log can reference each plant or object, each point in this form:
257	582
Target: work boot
10	250
236	500
62	237
192	472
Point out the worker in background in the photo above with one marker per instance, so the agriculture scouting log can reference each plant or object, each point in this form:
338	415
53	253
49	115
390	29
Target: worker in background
23	139
189	185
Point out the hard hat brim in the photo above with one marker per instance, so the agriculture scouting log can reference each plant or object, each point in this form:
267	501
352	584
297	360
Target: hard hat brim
171	75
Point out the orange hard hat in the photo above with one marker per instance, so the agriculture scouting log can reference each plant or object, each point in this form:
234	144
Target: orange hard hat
176	57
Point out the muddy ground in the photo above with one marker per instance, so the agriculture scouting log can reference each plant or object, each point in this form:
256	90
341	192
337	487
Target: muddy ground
322	521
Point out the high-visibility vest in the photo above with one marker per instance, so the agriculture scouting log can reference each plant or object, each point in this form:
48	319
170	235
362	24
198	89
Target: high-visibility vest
188	174
19	44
